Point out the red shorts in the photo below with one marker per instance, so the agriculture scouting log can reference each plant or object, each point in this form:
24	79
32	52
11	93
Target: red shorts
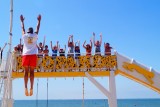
29	60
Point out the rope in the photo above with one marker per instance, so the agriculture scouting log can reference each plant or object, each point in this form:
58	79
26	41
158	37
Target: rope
83	93
37	93
47	92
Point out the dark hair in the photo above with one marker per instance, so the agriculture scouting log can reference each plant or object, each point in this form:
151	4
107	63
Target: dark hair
88	46
76	47
107	44
30	30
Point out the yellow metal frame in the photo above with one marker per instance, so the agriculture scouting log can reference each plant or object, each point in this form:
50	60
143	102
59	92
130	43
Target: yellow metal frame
95	65
62	74
95	70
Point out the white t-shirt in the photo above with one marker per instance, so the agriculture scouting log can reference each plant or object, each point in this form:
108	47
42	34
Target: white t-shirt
30	43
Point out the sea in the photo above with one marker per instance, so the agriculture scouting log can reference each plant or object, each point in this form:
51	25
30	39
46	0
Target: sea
87	103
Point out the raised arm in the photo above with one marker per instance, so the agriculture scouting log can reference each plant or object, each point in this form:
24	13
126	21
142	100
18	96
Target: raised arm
37	46
91	43
21	46
69	39
64	48
57	45
38	24
4	46
51	45
59	48
94	39
75	43
22	24
44	41
84	45
100	38
20	41
79	43
72	40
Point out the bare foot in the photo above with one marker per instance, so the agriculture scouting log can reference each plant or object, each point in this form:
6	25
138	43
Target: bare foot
31	92
26	92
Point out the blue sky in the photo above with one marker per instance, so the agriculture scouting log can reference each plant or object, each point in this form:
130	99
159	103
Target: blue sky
132	27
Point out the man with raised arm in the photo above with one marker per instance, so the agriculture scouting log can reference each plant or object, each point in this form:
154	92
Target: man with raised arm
29	54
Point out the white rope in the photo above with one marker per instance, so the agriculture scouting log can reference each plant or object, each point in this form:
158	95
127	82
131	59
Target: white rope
37	93
83	93
47	93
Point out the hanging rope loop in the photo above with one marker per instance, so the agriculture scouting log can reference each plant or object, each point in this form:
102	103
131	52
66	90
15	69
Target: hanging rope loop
83	93
47	92
37	93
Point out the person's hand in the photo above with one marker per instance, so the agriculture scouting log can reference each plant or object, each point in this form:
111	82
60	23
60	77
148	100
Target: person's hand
91	40
100	34
94	34
22	18
39	17
70	36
